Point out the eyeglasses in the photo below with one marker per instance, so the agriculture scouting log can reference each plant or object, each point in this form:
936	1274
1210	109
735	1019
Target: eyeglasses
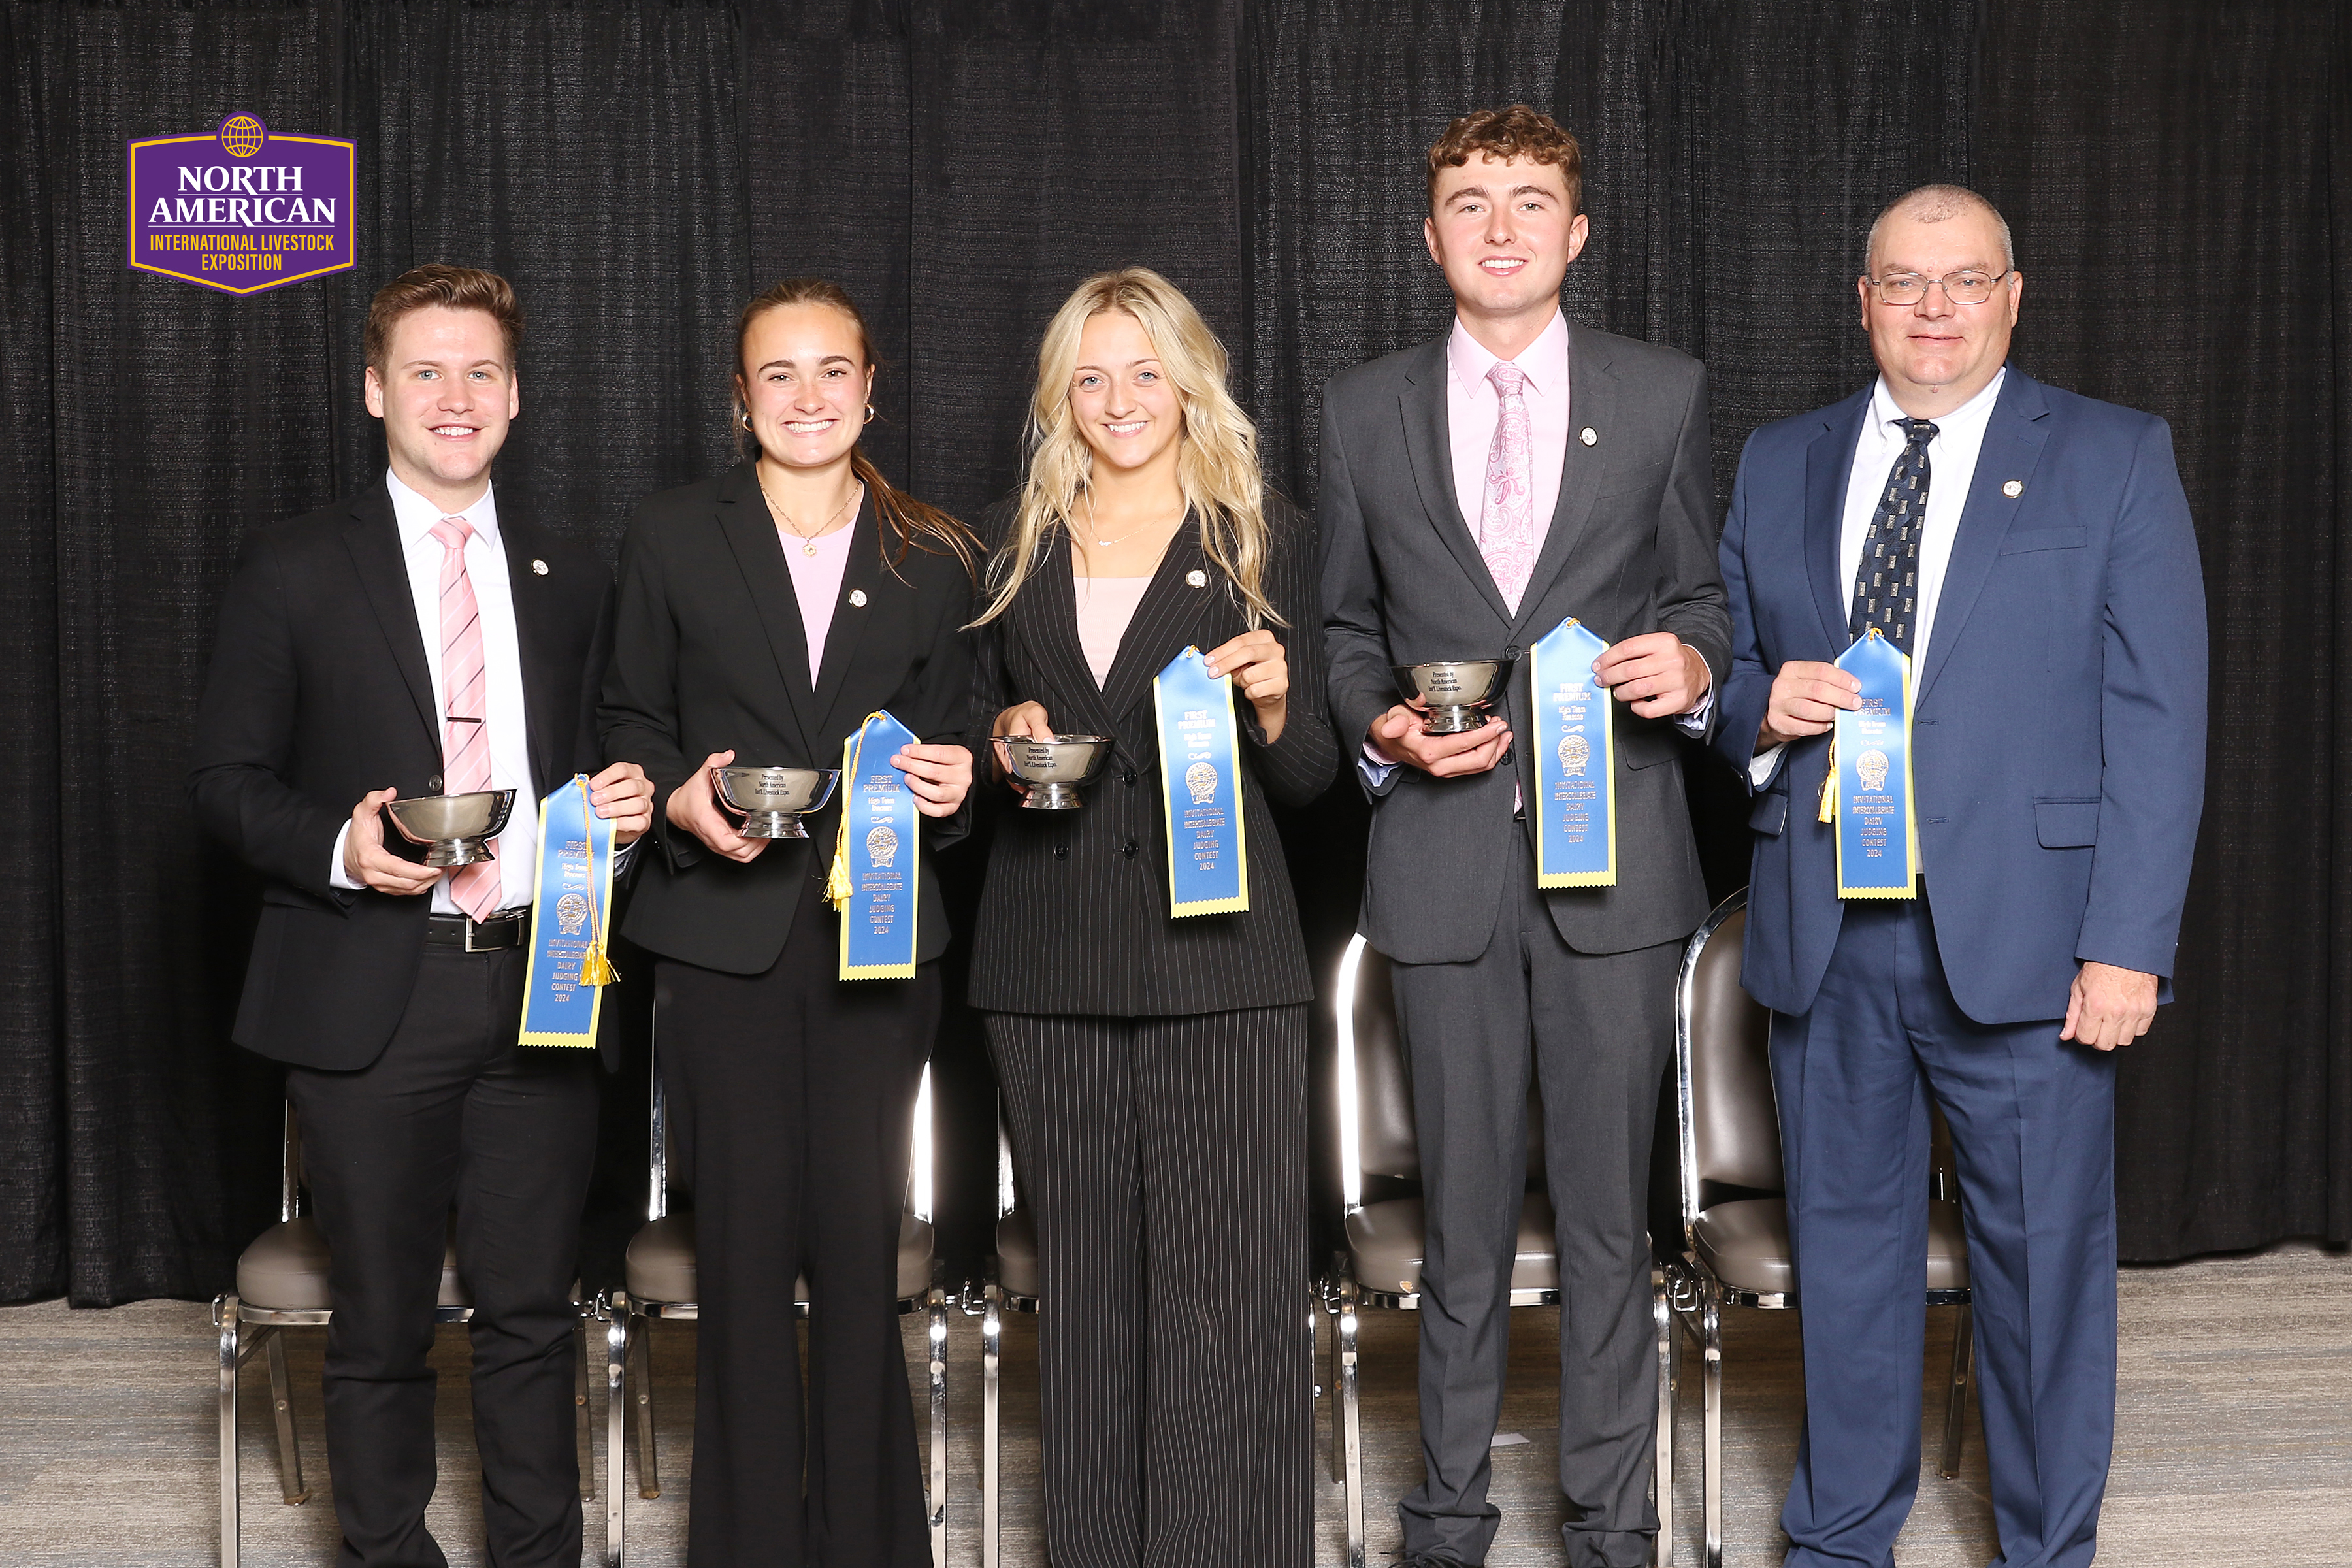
1959	287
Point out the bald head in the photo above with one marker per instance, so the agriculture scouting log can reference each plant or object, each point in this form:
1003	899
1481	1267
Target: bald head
1934	204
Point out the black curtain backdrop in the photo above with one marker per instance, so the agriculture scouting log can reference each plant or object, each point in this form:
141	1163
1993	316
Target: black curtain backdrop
2178	176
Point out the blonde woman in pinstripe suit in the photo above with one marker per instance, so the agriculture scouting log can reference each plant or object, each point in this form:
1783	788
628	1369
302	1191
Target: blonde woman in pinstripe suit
1154	1069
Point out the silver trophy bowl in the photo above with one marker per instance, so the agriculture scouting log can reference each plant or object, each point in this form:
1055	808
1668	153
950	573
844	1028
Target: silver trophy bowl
772	800
1053	769
1457	692
459	827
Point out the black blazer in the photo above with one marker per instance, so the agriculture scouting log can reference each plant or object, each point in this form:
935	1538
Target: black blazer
1074	916
319	693
710	655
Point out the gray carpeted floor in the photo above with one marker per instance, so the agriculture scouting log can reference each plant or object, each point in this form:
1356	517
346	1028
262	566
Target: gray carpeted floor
2235	1437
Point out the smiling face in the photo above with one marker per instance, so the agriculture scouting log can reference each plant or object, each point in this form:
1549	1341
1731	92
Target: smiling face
1126	406
446	395
805	381
1502	232
1936	355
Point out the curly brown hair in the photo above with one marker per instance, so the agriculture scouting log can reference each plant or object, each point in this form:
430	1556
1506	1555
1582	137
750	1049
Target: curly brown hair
438	283
1517	131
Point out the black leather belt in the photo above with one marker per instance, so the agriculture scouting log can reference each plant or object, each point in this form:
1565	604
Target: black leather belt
504	928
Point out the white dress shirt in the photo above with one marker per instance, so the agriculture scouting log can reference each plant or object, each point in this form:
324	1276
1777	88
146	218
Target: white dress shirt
486	564
1951	469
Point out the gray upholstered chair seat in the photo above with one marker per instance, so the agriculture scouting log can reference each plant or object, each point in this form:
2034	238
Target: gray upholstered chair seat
1017	1254
1746	1243
660	1261
659	1265
1384	1244
285	1271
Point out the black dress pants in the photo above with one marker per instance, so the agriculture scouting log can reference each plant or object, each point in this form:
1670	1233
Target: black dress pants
452	1113
801	1091
1166	1159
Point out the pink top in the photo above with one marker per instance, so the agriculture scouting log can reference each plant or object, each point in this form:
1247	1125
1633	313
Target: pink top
1105	606
817	583
1471	411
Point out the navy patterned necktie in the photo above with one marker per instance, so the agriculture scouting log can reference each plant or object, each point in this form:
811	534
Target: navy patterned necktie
1886	586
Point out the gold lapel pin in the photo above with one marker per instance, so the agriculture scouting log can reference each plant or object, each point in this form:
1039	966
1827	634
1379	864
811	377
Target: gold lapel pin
2013	489
1587	435
540	567
857	597
1198	578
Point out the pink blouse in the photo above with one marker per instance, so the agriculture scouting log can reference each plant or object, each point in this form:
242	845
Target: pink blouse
817	583
1105	606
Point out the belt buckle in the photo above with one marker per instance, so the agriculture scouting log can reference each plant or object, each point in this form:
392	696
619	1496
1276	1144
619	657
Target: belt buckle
473	925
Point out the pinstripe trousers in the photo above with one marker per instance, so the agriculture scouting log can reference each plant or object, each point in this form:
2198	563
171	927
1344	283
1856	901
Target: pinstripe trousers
1166	1161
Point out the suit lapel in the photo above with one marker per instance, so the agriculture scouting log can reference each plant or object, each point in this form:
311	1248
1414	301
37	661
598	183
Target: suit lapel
1045	613
373	540
1828	463
538	640
751	535
2013	440
1430	448
861	576
1170	615
1592	405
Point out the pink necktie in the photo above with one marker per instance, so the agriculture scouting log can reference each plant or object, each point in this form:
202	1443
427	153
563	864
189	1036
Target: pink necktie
1506	532
465	688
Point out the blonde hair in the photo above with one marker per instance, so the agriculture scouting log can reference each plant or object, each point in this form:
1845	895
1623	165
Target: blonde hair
1216	459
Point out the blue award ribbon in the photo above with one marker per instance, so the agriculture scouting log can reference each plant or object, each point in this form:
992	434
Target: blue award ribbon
1201	788
1877	836
1575	818
569	919
876	858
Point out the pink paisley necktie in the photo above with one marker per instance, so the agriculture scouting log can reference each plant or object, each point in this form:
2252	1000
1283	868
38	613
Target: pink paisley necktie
1507	530
465	687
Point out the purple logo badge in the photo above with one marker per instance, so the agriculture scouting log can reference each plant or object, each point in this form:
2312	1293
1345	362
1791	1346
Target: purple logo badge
242	209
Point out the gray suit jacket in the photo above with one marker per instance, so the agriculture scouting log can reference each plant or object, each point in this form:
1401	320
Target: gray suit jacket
1632	549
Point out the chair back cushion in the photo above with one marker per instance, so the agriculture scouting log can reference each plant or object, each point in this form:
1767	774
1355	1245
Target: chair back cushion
1735	1126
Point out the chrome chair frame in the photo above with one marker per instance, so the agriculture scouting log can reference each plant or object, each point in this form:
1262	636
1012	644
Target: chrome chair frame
1345	1297
628	1345
230	1316
1690	1293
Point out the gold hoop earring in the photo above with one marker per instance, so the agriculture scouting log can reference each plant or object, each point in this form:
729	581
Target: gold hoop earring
869	413
744	414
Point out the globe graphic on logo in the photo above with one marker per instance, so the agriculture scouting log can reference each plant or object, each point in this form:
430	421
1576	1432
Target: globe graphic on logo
241	136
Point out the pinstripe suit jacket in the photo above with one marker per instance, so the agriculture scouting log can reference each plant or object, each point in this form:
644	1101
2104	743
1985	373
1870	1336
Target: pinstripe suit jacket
1074	917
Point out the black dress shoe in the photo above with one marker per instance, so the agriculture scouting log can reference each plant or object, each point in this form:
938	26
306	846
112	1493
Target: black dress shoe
1436	1560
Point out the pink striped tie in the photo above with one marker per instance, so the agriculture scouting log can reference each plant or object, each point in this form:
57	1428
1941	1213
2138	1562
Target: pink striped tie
465	687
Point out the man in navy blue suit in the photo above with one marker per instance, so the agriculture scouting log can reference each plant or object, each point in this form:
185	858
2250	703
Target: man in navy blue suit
2030	550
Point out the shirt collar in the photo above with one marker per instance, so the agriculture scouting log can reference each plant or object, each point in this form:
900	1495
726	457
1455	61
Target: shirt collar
1544	361
416	516
1885	412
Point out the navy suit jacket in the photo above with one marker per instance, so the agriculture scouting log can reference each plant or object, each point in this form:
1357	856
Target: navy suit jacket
2059	718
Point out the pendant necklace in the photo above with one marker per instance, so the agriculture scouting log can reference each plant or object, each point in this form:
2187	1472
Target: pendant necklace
1130	533
808	540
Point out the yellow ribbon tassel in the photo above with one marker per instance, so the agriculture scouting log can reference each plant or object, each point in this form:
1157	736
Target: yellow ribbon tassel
595	969
836	880
1829	788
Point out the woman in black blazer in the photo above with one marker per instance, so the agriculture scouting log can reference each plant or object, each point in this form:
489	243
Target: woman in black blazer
1154	1069
800	1085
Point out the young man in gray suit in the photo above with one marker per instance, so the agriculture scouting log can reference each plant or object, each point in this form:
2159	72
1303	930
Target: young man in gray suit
1478	490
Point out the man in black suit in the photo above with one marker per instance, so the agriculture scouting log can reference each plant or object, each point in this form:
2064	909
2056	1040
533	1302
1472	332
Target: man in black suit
407	641
1477	491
